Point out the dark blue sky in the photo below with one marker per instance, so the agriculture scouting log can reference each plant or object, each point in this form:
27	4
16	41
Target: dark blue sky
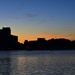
30	19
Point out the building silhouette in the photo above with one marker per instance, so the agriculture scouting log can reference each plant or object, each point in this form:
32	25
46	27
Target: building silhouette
7	41
10	42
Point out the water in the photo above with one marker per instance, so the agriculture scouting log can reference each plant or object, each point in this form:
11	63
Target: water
37	63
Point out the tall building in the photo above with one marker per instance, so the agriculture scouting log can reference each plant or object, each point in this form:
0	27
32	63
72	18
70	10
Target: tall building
7	41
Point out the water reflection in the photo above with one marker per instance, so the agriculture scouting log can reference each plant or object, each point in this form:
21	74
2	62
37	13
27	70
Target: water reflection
44	64
5	66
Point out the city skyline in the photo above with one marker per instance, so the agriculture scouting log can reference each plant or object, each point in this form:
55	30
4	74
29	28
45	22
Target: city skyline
32	19
9	41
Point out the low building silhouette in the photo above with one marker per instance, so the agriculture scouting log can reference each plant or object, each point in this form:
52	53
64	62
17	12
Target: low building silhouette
51	44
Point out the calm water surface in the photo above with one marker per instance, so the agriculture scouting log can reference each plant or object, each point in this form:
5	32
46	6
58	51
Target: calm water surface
37	63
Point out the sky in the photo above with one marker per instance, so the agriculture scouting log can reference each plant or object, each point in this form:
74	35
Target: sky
32	19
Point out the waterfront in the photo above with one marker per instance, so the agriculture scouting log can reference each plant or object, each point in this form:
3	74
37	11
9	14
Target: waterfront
37	63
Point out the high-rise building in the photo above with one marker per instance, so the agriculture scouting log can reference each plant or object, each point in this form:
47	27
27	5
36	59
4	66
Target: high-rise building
7	40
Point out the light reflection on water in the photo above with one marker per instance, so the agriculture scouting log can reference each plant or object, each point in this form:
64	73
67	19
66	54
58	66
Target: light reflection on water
39	64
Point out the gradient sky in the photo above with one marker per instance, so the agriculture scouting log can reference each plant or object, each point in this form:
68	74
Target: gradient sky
30	19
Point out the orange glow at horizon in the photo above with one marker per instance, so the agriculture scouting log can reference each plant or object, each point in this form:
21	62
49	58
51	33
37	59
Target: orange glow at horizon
46	36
